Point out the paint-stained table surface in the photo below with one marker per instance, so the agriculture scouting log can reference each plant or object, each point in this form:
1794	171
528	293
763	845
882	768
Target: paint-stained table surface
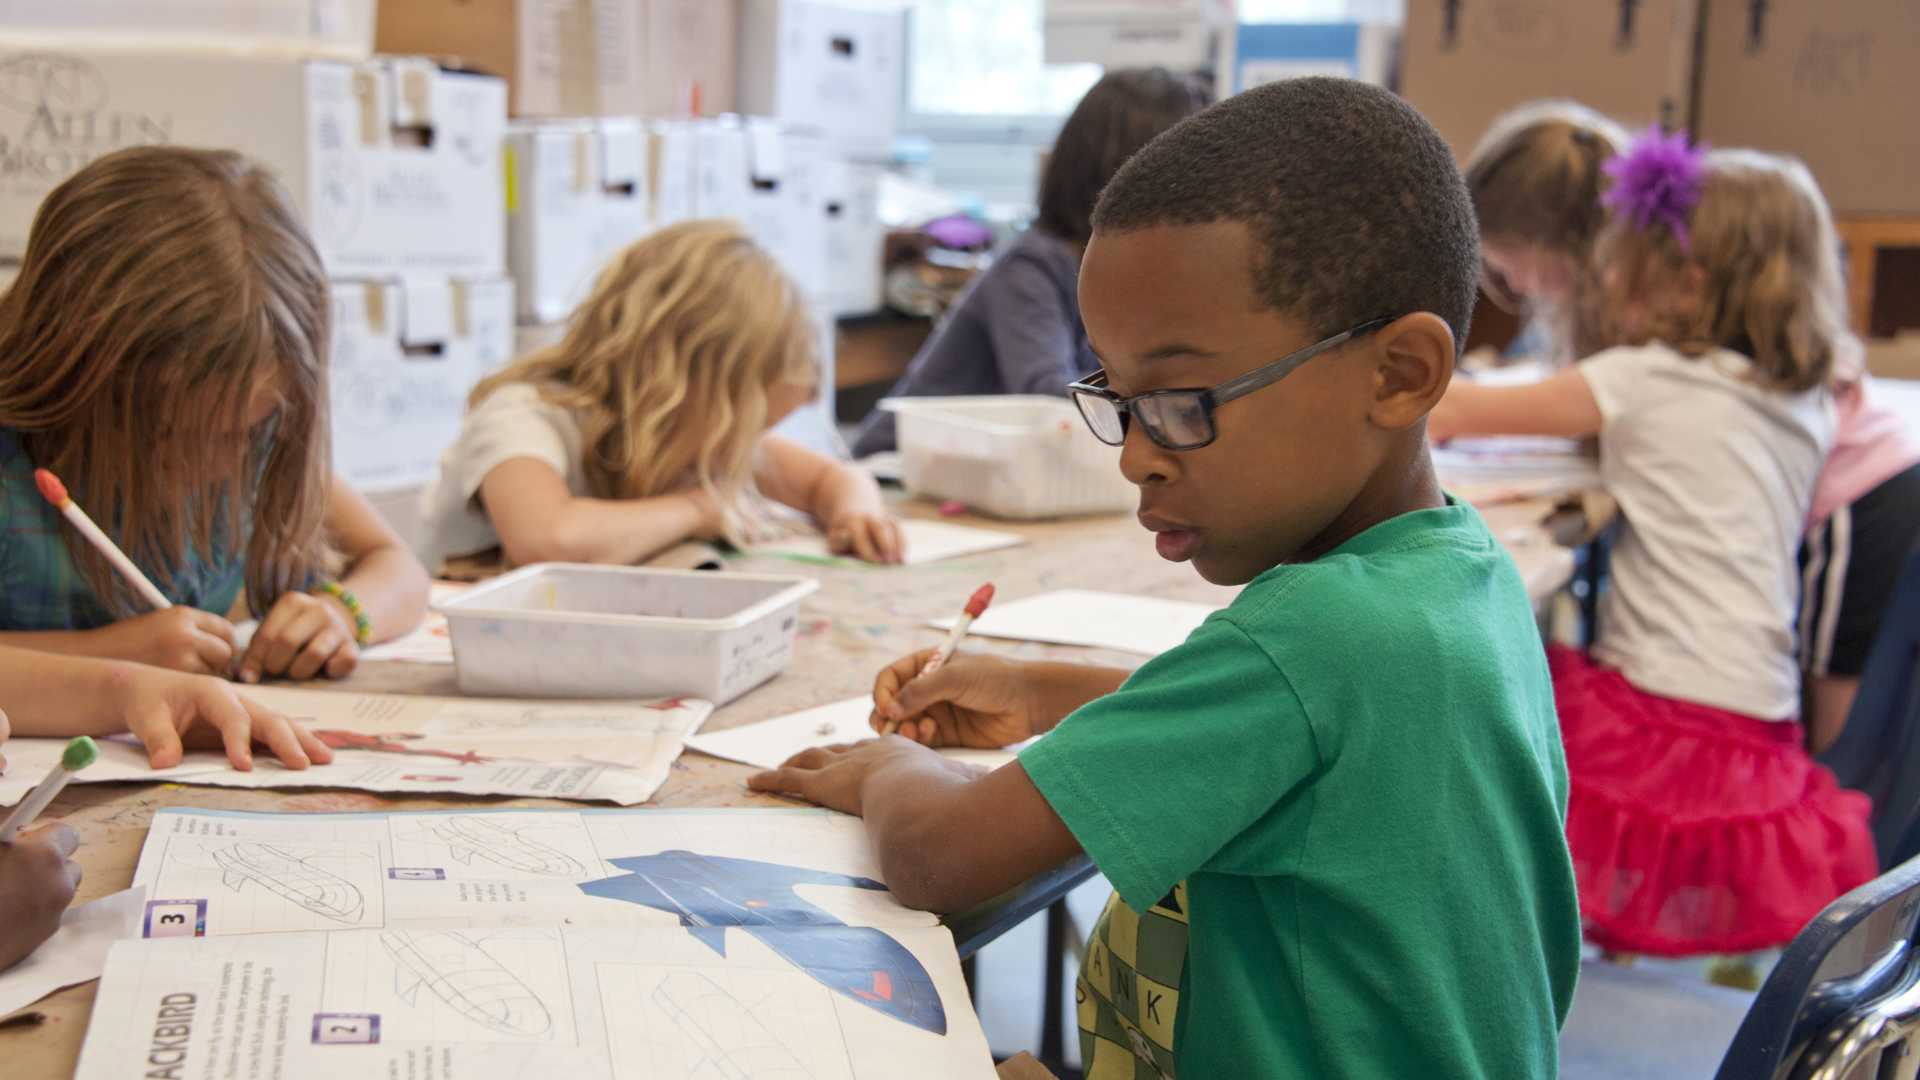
859	620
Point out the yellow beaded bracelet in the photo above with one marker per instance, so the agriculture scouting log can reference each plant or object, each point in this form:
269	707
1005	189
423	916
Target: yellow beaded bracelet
362	626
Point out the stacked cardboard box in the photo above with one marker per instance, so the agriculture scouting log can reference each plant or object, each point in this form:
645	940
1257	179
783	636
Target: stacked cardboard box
394	164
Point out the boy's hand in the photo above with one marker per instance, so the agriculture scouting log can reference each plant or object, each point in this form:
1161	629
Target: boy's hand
975	701
301	637
181	638
166	710
832	776
37	882
871	535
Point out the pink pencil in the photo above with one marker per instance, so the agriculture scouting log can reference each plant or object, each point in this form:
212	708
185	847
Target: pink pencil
976	605
55	492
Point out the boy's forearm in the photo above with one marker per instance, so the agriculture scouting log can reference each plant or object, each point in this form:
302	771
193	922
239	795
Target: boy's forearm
1059	689
950	838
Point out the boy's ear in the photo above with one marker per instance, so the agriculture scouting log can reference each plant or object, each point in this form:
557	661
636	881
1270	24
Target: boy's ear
1413	364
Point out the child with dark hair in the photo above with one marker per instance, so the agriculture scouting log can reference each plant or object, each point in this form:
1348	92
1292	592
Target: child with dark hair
1017	329
1334	816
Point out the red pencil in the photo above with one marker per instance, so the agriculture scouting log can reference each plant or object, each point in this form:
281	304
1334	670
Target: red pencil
976	605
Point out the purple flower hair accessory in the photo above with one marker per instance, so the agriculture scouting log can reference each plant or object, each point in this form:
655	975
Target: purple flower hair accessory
1657	181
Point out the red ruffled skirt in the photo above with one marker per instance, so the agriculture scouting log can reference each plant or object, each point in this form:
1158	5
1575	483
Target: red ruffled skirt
1693	829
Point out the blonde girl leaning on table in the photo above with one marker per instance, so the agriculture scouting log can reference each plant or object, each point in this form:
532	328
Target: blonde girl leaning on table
649	423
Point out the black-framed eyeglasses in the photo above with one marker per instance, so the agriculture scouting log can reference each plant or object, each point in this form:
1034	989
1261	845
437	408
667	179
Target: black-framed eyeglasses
1183	419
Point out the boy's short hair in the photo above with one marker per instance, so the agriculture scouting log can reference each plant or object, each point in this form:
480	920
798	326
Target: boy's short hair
1356	207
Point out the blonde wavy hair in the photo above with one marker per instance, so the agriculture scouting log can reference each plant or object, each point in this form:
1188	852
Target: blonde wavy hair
162	288
668	363
1761	276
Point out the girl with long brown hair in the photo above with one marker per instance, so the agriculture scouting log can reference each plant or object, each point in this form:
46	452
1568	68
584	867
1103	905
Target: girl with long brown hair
163	351
647	424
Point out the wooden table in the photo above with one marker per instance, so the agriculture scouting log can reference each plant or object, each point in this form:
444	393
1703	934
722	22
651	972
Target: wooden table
860	619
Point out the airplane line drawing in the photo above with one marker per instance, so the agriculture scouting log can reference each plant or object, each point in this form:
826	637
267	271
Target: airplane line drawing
290	877
456	969
467	837
711	894
732	1042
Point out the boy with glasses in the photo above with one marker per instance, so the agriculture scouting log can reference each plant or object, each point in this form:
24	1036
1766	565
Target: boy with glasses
1333	816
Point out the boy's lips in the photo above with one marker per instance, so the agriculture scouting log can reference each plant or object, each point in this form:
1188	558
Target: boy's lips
1175	541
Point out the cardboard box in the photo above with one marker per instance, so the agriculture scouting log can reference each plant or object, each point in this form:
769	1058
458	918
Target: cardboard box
833	67
1268	52
1894	357
786	201
856	240
720	168
1831	84
394	165
334	28
405	354
1465	64
576	194
672	170
1188	35
582	57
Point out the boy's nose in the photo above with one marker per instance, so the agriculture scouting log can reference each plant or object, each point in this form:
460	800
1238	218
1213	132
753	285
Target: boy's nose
1143	462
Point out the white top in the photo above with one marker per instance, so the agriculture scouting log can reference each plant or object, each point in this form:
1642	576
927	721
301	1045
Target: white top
1714	475
512	422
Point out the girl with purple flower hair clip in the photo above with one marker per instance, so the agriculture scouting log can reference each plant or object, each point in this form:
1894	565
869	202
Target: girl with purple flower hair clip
1698	822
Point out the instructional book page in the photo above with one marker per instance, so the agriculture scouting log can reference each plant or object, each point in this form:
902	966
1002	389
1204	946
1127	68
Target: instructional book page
590	943
227	872
769	743
594	751
510	1003
1135	624
927	541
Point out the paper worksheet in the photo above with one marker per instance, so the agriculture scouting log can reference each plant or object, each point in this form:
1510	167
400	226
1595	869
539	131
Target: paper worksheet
730	943
1135	624
76	953
770	743
587	750
927	541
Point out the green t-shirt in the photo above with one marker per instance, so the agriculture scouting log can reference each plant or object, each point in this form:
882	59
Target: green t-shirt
1336	815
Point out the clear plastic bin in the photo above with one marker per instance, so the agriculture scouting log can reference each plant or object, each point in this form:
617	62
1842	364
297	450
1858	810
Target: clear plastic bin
563	630
1013	456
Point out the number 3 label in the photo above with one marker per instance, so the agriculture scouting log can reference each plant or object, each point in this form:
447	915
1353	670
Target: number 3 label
175	918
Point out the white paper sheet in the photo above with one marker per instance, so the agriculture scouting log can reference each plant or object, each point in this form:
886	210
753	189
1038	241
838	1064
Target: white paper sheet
927	541
768	744
592	751
1135	624
76	953
592	943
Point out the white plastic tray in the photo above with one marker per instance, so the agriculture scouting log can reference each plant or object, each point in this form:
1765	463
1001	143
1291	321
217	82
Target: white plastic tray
1013	456
571	631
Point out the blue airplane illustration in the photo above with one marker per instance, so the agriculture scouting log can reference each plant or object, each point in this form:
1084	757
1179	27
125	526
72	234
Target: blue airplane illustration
712	893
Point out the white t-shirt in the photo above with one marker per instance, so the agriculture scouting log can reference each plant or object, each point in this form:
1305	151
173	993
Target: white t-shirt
512	422
1714	474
